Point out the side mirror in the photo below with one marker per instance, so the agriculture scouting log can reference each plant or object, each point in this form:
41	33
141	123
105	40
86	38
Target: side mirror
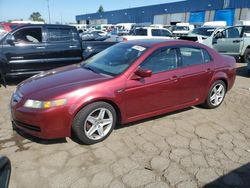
5	171
142	73
10	39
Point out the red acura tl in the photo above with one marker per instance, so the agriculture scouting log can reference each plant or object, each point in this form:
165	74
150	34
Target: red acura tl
126	82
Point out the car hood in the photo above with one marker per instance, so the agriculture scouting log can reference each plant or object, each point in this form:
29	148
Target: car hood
68	77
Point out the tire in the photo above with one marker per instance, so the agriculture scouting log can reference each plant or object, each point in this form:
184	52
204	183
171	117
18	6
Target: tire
246	56
216	95
95	122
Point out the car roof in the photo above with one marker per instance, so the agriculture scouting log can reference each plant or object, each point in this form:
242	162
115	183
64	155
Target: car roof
46	25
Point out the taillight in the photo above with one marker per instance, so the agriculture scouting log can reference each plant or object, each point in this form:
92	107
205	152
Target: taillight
124	39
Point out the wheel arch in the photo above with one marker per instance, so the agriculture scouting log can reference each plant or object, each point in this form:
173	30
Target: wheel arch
220	76
111	102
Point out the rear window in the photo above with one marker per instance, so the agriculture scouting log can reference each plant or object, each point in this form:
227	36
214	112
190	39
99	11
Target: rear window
203	31
59	34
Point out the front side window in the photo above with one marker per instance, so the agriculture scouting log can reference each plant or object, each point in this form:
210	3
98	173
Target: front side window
28	35
192	56
161	60
115	59
59	35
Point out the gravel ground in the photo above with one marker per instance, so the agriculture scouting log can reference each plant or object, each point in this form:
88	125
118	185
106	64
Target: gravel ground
192	148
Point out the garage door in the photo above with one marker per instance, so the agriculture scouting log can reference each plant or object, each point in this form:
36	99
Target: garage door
225	15
196	17
176	17
160	19
248	15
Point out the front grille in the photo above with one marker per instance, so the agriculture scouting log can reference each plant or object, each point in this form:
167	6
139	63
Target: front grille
27	126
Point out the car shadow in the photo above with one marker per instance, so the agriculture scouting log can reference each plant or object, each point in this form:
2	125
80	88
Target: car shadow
239	178
242	71
119	126
39	140
152	118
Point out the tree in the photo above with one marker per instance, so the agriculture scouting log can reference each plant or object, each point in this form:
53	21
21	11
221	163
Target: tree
36	16
100	9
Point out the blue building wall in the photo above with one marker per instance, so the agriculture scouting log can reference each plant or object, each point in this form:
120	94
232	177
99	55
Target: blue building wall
146	13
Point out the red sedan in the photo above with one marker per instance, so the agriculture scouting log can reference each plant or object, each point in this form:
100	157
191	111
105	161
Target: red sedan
126	82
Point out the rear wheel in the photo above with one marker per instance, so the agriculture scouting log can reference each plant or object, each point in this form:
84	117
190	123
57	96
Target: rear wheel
246	56
216	95
95	122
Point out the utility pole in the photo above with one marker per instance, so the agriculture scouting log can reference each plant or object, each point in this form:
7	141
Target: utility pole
48	11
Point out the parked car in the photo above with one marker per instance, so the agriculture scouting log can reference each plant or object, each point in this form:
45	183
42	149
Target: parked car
127	82
93	36
30	49
182	29
8	26
234	41
146	33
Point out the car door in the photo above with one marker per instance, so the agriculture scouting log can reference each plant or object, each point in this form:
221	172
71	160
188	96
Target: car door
229	41
161	90
62	46
26	52
196	72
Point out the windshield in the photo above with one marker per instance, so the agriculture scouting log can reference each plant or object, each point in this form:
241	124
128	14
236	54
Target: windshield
114	60
203	31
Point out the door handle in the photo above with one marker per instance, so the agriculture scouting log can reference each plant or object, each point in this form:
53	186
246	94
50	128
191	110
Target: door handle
237	41
40	47
208	70
174	78
72	46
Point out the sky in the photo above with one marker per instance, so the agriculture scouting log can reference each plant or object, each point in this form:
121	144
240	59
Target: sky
65	10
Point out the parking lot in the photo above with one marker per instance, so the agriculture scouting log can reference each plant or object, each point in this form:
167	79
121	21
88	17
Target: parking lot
194	147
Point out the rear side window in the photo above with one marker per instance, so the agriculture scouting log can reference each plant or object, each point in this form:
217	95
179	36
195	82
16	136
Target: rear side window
233	32
193	56
28	35
59	34
156	32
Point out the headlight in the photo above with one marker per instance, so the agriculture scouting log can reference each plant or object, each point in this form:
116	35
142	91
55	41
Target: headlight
44	104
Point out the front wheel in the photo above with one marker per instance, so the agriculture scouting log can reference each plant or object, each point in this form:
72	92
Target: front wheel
215	95
95	122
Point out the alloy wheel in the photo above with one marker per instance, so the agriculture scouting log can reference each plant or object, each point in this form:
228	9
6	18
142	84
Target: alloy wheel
98	123
217	94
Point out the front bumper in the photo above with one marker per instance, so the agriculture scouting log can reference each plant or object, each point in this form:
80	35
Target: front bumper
46	124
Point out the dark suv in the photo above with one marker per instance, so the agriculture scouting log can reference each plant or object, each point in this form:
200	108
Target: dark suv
30	49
